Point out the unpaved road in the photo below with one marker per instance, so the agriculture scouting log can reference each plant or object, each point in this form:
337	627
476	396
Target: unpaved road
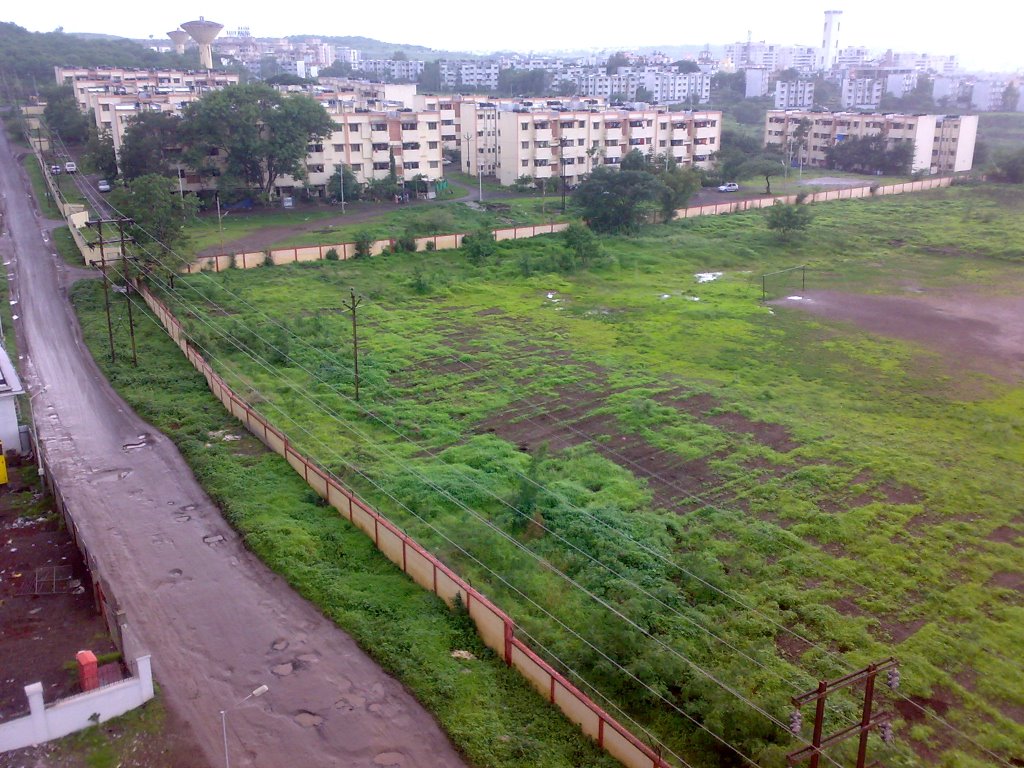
217	621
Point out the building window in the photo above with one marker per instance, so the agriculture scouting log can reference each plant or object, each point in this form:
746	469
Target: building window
412	165
381	166
356	147
525	144
431	126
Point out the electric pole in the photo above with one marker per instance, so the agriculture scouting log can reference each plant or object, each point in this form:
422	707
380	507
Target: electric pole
351	306
868	721
98	223
127	286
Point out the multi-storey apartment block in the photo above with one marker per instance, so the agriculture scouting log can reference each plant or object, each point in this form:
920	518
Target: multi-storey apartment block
470	74
794	94
545	143
862	92
394	68
942	143
118	81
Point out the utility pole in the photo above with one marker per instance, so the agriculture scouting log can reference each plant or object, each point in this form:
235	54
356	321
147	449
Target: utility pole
127	286
351	306
862	729
106	288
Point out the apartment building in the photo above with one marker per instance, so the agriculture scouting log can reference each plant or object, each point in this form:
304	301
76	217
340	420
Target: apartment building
546	143
794	94
666	86
987	95
393	68
470	74
367	142
119	81
756	81
862	92
942	143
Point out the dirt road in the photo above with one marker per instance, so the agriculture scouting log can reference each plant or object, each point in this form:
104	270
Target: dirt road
217	622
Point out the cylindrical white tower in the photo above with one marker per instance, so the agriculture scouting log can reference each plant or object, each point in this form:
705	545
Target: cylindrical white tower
203	32
830	40
179	37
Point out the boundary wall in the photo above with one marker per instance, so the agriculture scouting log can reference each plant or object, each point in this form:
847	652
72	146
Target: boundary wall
76	713
496	628
279	256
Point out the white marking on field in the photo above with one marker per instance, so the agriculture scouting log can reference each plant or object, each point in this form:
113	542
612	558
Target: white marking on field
707	277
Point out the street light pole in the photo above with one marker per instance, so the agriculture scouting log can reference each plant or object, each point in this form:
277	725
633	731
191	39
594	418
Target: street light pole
224	720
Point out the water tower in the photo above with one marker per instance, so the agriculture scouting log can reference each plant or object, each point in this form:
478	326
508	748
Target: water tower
203	32
179	37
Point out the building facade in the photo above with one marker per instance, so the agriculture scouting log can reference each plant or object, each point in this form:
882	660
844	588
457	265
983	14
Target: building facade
794	94
942	143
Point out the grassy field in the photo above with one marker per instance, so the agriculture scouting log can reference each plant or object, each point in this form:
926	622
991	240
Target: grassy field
760	494
42	192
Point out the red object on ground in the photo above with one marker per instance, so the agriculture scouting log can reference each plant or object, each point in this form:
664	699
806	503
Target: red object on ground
88	671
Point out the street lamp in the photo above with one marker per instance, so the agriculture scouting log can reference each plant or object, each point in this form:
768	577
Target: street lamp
224	719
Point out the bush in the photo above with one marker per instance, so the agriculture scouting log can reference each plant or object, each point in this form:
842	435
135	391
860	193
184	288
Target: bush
788	220
405	242
363	243
268	260
430	246
332	255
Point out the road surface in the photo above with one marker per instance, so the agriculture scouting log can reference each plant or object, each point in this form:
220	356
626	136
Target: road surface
216	620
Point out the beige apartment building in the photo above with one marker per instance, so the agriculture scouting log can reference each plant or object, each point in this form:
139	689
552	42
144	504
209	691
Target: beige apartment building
942	143
366	143
548	144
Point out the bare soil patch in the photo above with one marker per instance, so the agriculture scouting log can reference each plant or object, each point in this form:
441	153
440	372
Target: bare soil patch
1005	534
982	333
1008	580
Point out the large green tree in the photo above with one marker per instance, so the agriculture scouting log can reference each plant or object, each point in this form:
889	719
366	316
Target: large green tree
253	134
871	154
99	153
151	145
159	212
619	201
63	115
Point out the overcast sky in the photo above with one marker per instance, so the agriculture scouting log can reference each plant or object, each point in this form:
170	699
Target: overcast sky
984	34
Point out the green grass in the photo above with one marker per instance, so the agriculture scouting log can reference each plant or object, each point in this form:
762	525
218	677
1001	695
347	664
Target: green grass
66	247
205	231
42	192
798	532
489	711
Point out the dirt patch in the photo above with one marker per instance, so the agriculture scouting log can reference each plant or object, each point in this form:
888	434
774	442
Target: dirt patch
1008	580
489	312
1005	535
40	633
700	405
896	631
912	708
792	647
848	607
969	330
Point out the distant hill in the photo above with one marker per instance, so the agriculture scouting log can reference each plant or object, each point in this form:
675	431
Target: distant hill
27	58
378	49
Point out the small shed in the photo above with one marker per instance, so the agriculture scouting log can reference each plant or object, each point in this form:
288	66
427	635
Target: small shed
10	388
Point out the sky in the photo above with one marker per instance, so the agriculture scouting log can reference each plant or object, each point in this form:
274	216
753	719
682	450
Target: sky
983	34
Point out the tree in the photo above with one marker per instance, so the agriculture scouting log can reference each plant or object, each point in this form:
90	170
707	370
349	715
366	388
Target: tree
871	154
766	165
337	69
583	248
680	185
159	212
63	115
430	77
479	245
686	66
99	153
615	61
151	144
352	189
1010	167
1010	98
644	94
619	201
788	220
253	133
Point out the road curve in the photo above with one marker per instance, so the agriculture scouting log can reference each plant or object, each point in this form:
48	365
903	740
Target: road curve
216	620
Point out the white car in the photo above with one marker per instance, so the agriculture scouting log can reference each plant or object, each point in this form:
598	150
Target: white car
70	167
732	186
103	185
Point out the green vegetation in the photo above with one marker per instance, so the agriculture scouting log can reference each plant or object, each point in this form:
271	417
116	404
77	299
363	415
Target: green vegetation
815	472
1001	130
42	192
66	247
491	714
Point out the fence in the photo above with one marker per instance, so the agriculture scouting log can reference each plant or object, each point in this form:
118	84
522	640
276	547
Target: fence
344	251
76	713
496	629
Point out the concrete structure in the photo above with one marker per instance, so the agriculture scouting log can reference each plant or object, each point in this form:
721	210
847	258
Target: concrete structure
10	388
987	95
899	83
548	144
179	37
830	40
757	80
76	713
942	143
393	68
862	92
794	94
203	32
470	74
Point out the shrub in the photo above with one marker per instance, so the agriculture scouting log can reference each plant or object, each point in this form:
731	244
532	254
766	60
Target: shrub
268	260
363	243
332	255
430	246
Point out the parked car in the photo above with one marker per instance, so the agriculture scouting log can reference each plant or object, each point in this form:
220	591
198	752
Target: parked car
103	185
70	167
731	186
55	170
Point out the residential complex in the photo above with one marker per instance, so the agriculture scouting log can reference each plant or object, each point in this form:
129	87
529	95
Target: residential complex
942	143
794	94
